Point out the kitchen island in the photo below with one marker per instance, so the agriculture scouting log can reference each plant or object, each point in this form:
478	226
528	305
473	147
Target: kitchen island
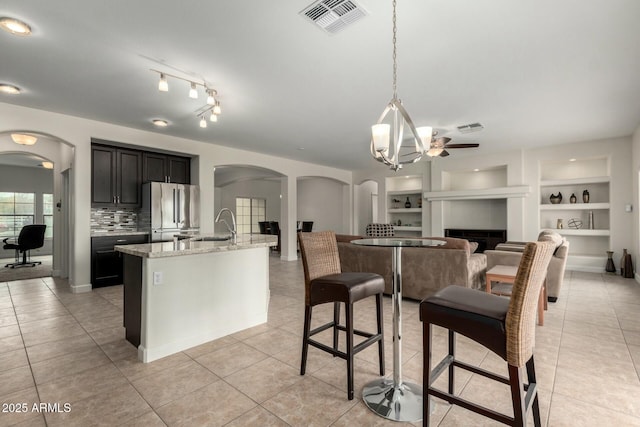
190	291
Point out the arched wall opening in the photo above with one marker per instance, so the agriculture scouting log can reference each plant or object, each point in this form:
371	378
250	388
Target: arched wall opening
365	206
61	154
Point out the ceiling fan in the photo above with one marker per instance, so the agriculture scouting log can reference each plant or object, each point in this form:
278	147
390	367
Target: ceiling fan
439	146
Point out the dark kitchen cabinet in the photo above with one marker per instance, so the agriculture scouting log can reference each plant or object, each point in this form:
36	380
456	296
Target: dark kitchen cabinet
158	167
106	262
116	176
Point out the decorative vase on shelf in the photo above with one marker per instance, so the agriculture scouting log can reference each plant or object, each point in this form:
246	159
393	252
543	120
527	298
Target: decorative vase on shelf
610	267
555	199
585	196
591	226
628	266
559	223
396	203
420	202
573	198
407	204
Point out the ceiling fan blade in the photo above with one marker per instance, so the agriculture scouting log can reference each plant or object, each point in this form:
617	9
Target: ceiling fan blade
444	153
463	145
443	140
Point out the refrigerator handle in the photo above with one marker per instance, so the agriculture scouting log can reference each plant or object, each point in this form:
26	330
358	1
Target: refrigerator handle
174	206
178	205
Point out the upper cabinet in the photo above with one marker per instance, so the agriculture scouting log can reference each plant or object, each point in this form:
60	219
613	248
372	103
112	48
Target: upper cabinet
160	167
116	176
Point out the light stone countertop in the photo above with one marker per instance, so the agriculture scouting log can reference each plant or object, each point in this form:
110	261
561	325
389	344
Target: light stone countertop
191	245
96	233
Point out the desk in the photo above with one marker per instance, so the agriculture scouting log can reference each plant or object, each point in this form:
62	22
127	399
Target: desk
507	274
394	399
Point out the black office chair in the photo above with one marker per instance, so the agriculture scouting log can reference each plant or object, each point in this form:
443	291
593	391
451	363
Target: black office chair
264	227
307	226
31	237
274	227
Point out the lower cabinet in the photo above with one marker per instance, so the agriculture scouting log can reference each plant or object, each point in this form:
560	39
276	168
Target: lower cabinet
106	262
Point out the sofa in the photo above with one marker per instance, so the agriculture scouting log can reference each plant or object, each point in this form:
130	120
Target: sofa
424	270
509	253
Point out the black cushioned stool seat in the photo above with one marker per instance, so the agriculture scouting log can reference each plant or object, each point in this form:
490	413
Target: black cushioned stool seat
345	287
472	313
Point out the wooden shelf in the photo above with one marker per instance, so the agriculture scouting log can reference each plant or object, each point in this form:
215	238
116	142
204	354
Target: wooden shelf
583	232
405	210
574	206
576	181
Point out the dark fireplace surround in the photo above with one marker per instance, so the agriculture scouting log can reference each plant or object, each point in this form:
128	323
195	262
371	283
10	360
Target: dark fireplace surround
486	239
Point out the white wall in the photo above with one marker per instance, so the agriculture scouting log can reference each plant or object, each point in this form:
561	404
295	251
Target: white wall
21	179
263	189
363	208
321	200
77	132
485	214
635	178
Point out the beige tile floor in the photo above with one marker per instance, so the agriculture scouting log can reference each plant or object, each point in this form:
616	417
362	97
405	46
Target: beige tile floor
58	347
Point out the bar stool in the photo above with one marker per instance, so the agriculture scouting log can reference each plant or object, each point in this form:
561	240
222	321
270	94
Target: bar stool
324	283
506	327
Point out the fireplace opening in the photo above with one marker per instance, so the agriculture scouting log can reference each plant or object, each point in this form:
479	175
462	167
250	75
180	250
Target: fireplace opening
486	239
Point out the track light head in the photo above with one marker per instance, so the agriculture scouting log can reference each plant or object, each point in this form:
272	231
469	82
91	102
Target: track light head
203	122
213	118
210	98
163	85
193	92
216	108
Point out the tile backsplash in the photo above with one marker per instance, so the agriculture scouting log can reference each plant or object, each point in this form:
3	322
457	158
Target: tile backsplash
113	219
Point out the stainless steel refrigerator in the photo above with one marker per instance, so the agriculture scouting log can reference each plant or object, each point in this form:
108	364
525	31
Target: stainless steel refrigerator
169	209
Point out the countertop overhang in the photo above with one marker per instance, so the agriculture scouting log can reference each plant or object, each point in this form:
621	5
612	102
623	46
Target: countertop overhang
192	245
113	233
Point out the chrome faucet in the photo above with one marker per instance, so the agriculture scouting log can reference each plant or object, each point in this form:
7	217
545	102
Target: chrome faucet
233	230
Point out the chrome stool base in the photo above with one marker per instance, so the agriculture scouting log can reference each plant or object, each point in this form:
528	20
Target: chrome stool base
395	402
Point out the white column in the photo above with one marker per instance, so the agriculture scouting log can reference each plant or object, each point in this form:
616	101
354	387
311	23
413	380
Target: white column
288	215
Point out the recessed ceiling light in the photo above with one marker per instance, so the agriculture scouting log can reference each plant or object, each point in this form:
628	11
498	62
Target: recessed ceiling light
23	138
9	89
301	148
15	26
47	165
572	160
160	123
476	170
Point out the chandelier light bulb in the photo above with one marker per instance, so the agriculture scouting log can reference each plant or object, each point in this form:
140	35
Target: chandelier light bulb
163	85
193	92
216	108
203	122
380	135
213	117
210	99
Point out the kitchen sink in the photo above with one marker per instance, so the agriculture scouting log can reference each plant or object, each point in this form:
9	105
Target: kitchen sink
211	239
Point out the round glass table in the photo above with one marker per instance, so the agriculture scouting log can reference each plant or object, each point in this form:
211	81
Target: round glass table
392	398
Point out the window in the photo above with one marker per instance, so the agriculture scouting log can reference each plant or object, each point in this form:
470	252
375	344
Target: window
47	214
16	211
250	211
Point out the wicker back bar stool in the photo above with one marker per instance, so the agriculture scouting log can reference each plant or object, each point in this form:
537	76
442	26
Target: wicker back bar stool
326	283
506	327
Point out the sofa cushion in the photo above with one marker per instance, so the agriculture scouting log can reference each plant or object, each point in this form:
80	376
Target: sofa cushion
551	236
473	246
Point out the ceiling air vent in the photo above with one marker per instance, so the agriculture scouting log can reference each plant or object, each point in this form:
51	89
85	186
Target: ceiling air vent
471	127
333	15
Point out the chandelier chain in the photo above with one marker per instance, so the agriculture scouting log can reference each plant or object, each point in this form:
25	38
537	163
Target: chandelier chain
395	64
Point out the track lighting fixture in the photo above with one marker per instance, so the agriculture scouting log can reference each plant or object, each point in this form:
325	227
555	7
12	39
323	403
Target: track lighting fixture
163	85
213	105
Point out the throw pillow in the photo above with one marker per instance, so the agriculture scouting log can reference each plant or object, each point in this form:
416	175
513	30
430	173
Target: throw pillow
473	246
551	236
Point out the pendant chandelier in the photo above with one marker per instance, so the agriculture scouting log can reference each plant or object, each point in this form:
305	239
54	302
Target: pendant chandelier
387	138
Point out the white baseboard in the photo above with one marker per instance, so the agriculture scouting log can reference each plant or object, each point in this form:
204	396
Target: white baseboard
584	269
77	289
